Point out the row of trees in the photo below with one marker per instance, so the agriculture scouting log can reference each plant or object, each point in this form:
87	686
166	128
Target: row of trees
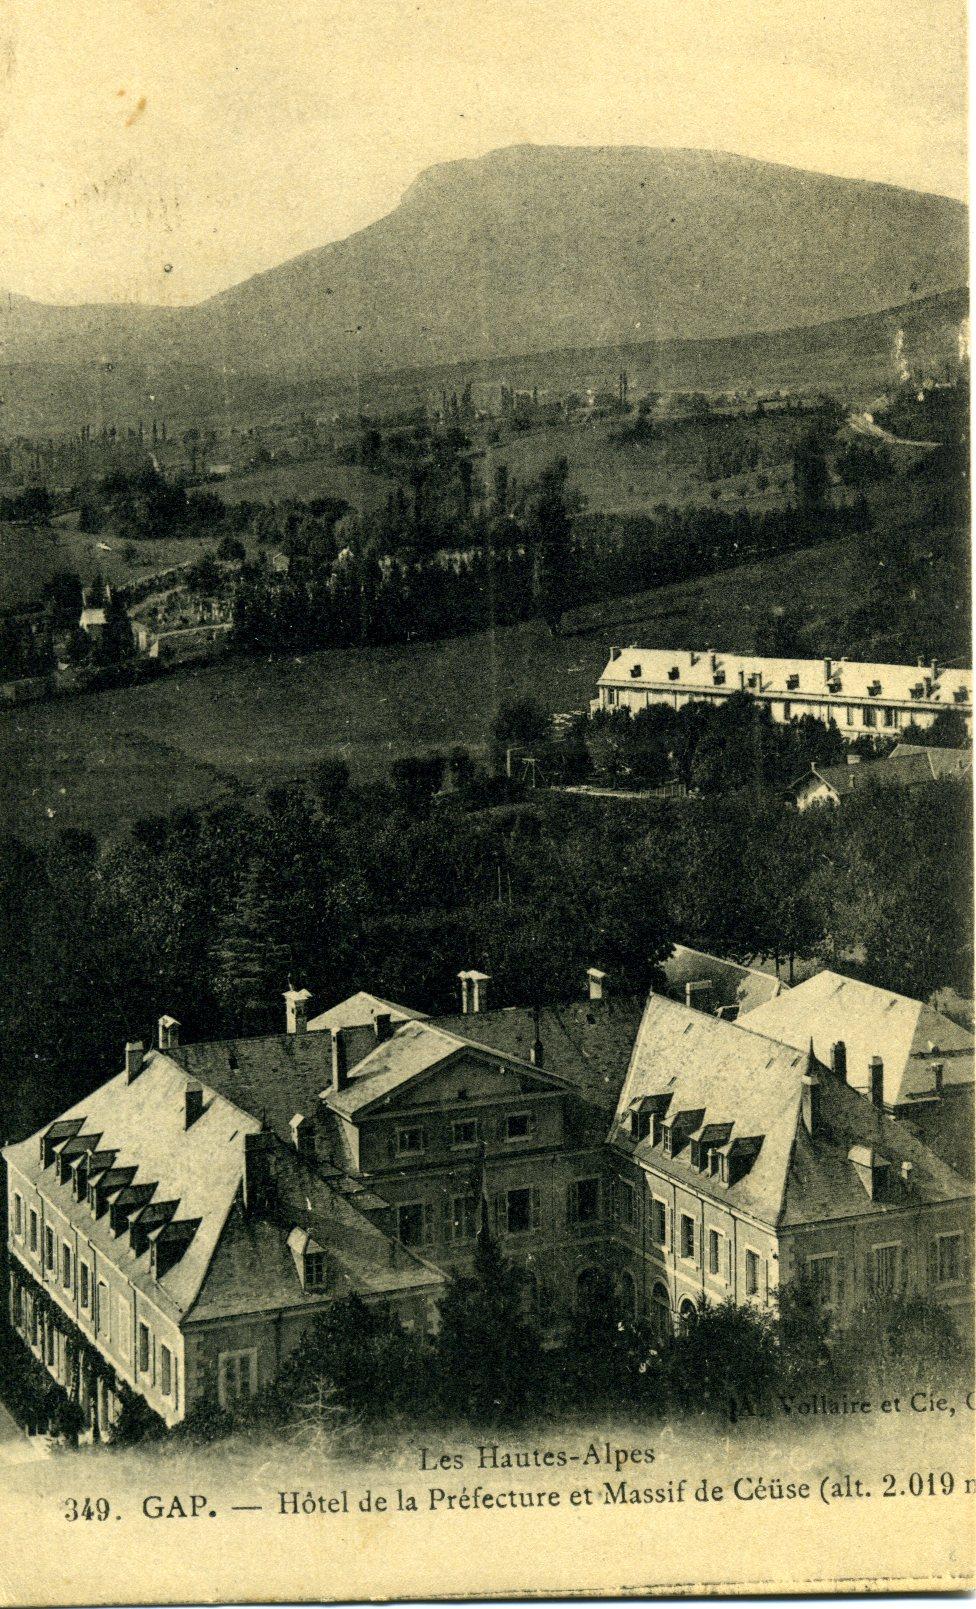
206	913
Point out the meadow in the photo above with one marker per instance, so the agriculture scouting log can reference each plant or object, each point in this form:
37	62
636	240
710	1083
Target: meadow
101	760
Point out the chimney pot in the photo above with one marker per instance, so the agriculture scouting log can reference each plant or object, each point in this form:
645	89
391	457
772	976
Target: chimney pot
877	1082
838	1061
296	1010
169	1033
193	1102
134	1053
596	983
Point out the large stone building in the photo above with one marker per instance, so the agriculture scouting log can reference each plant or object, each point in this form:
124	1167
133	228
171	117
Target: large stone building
740	1162
178	1231
857	697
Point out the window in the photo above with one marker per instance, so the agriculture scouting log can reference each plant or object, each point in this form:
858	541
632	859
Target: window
464	1218
411	1223
659	1222
237	1376
687	1237
521	1211
518	1126
822	1275
19	1216
66	1265
890	716
166	1371
869	717
103	1317
144	1350
410	1141
949	1259
752	1273
465	1132
125	1322
33	1231
714	1250
584	1201
49	1248
314	1270
886	1267
850	714
84	1280
666	1138
626	1204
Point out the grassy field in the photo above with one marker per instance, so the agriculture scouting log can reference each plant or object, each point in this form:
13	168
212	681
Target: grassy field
102	760
631	477
313	477
30	556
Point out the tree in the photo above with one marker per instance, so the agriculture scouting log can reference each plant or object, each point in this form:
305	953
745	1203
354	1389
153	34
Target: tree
811	477
550	532
488	1354
520	721
359	1358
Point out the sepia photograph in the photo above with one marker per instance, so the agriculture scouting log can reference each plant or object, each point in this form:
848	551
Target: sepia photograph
486	801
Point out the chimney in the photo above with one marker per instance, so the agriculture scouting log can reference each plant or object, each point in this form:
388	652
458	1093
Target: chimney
938	1074
169	1033
935	670
193	1102
383	1026
614	653
876	1068
596	983
257	1171
742	680
810	1103
537	1053
906	1175
134	1052
474	991
296	1010
303	1136
838	1061
340	1060
827	669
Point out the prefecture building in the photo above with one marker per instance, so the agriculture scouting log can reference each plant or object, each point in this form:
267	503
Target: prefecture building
176	1232
857	697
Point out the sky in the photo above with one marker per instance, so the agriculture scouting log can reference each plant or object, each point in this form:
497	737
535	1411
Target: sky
161	150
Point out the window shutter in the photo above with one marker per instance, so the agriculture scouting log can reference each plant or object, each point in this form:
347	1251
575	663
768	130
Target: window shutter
841	1280
391	1145
535	1208
933	1262
730	1263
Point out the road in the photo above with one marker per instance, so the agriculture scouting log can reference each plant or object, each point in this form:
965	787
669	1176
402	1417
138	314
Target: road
864	424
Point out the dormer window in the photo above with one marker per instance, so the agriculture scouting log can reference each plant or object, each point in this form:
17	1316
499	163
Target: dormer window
793	682
719	678
674	673
714	1158
314	1270
635	671
874	689
666	1138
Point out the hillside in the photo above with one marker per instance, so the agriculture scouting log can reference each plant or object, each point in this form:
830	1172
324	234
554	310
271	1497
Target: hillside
531	249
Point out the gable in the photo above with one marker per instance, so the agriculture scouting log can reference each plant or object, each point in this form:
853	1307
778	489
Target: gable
466	1078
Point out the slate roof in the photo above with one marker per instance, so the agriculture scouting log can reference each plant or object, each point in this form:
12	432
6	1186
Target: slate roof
912	768
586	1042
273	1076
733	986
233	1263
871	1022
849	680
359	1011
725	1074
943	762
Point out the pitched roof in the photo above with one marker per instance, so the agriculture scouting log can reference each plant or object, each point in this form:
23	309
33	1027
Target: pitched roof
231	1263
732	985
200	1167
273	1076
709	1066
586	1042
358	1011
911	770
738	1085
944	762
871	1022
847	679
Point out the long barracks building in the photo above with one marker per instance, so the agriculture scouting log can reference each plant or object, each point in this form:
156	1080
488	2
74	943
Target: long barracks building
177	1231
857	697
